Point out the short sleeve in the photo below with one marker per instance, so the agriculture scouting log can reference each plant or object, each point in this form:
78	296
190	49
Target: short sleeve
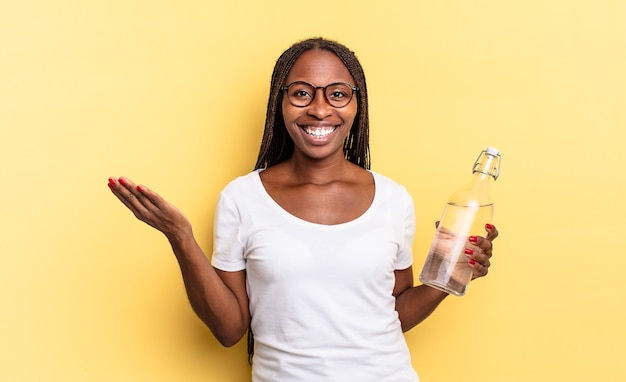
227	248
406	211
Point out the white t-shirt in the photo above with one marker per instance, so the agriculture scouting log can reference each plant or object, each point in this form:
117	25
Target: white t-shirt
320	295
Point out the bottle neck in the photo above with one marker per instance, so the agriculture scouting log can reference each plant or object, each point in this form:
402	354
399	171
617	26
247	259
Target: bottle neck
487	165
476	192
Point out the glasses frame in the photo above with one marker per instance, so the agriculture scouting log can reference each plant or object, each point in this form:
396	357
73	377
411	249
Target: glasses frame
315	88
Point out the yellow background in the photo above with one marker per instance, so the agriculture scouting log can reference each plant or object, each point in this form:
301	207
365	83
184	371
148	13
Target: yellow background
173	94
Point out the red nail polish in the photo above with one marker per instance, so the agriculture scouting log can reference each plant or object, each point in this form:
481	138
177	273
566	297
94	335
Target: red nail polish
472	261
469	251
472	239
111	181
139	188
110	186
488	226
122	181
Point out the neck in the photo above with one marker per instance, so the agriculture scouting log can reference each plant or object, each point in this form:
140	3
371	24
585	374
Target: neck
307	170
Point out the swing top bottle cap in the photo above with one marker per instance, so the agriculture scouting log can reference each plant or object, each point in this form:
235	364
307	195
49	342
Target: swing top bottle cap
492	151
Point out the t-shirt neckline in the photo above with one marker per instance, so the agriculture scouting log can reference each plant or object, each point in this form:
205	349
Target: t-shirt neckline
268	198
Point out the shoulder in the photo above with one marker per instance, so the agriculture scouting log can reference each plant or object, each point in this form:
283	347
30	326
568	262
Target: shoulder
243	183
390	192
242	191
385	183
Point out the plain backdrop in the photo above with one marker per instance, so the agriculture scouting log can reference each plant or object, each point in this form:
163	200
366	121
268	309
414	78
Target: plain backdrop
173	95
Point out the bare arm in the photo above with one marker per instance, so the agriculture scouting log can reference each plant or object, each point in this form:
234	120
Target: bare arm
218	298
414	303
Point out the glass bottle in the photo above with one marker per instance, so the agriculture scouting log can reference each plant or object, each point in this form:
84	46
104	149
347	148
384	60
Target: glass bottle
468	210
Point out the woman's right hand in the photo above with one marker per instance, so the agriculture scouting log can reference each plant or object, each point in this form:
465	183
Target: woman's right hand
151	208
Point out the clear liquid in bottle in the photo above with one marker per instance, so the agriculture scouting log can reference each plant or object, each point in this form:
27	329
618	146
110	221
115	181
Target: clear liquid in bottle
447	268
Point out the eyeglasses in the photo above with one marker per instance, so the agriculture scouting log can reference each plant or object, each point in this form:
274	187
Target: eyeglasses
302	94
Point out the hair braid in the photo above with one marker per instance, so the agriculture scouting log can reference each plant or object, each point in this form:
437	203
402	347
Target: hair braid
276	145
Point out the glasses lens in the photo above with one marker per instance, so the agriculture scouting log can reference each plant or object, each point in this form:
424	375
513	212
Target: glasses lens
300	93
338	95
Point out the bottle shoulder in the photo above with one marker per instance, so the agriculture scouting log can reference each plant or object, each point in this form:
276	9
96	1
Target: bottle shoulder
472	194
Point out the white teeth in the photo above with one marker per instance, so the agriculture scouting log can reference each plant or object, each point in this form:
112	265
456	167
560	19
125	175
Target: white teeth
319	132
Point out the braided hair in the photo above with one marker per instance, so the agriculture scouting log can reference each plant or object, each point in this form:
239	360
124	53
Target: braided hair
277	145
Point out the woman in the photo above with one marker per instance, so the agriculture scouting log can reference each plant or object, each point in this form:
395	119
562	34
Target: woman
312	251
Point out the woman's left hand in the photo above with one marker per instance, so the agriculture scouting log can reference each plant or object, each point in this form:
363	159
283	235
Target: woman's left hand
479	251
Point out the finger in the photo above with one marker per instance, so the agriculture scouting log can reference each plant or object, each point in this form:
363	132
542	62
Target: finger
478	262
127	193
478	256
478	269
479	251
492	232
149	198
126	190
136	194
481	244
118	190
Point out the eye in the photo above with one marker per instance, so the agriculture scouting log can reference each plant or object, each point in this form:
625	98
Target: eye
338	95
301	91
338	92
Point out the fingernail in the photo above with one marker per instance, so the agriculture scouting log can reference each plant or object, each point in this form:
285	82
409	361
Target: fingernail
111	181
472	261
110	186
122	181
139	188
488	226
472	239
469	251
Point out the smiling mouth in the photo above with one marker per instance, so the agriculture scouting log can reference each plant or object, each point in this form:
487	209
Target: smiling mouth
319	132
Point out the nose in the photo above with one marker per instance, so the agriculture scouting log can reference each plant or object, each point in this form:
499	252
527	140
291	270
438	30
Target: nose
320	108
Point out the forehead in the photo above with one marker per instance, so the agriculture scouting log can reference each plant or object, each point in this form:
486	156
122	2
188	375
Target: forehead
319	67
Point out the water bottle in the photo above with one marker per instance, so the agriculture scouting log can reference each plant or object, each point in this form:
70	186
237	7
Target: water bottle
468	210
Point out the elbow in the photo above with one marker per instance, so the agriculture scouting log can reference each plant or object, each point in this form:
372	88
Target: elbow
406	327
228	340
227	334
